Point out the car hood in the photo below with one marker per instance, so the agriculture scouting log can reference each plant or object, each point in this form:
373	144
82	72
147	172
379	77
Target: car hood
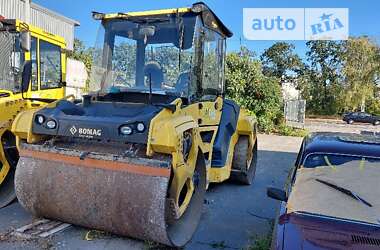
309	231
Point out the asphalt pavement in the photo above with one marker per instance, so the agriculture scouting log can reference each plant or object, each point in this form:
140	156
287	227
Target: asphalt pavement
322	125
233	215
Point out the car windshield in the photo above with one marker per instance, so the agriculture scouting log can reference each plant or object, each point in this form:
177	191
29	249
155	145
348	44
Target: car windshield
332	160
143	55
11	60
347	184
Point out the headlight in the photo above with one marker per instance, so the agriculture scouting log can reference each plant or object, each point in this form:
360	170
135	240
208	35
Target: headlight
40	119
126	130
140	127
51	124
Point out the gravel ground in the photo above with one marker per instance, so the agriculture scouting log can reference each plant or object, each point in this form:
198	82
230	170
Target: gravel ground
233	215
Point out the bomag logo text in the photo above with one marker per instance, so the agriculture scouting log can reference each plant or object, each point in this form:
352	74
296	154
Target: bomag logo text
90	132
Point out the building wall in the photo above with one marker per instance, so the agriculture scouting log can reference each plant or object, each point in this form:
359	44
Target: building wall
41	17
289	91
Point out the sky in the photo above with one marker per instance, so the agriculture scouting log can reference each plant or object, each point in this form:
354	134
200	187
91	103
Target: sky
363	15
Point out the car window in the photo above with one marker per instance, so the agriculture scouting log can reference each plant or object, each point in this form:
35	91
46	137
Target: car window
323	160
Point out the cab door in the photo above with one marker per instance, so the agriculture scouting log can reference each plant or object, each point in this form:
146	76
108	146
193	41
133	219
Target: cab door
50	70
47	71
34	83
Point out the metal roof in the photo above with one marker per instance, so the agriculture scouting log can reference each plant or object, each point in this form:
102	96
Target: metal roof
54	14
42	18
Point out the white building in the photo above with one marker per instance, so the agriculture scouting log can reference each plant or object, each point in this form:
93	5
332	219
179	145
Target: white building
41	17
290	91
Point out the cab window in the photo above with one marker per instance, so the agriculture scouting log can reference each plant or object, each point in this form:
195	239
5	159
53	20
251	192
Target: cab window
33	57
213	63
50	63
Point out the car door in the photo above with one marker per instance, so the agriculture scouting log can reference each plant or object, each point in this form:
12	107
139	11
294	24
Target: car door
367	118
280	228
364	117
359	117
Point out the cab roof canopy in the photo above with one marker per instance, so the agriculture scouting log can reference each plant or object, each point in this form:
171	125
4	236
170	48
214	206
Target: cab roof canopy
209	18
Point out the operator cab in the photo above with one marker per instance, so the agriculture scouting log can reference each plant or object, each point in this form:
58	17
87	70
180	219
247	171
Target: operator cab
13	44
163	54
21	44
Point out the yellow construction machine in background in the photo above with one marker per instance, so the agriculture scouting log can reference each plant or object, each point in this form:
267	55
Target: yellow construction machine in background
20	43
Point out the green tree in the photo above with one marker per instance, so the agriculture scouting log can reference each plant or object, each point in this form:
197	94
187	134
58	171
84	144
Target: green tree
280	59
361	70
373	106
246	84
81	53
324	76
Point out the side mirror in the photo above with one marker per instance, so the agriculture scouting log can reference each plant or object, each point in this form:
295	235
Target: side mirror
277	194
25	41
26	75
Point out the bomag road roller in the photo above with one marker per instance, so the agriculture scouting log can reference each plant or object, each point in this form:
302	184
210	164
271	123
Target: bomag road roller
135	157
21	43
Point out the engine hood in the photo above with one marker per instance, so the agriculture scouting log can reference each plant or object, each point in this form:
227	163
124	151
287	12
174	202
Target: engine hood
308	231
98	120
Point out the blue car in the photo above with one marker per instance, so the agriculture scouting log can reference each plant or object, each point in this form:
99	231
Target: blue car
361	117
332	196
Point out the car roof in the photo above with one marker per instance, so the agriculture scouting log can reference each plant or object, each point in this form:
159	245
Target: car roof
342	143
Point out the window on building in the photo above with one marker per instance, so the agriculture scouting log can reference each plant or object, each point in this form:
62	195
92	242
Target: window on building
50	63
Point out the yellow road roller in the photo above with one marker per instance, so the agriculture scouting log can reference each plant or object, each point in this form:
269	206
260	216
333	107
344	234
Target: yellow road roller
136	155
20	42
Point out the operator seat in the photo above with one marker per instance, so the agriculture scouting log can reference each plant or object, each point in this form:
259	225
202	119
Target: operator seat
153	70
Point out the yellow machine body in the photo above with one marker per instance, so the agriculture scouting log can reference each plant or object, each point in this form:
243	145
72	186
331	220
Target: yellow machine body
210	115
13	102
140	150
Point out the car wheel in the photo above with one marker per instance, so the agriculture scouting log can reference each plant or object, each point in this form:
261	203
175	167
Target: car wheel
350	121
375	123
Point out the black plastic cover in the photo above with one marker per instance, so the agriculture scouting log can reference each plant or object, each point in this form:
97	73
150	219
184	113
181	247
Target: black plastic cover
99	120
227	127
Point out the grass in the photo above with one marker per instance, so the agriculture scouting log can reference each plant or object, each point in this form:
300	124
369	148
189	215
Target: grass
289	131
263	243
